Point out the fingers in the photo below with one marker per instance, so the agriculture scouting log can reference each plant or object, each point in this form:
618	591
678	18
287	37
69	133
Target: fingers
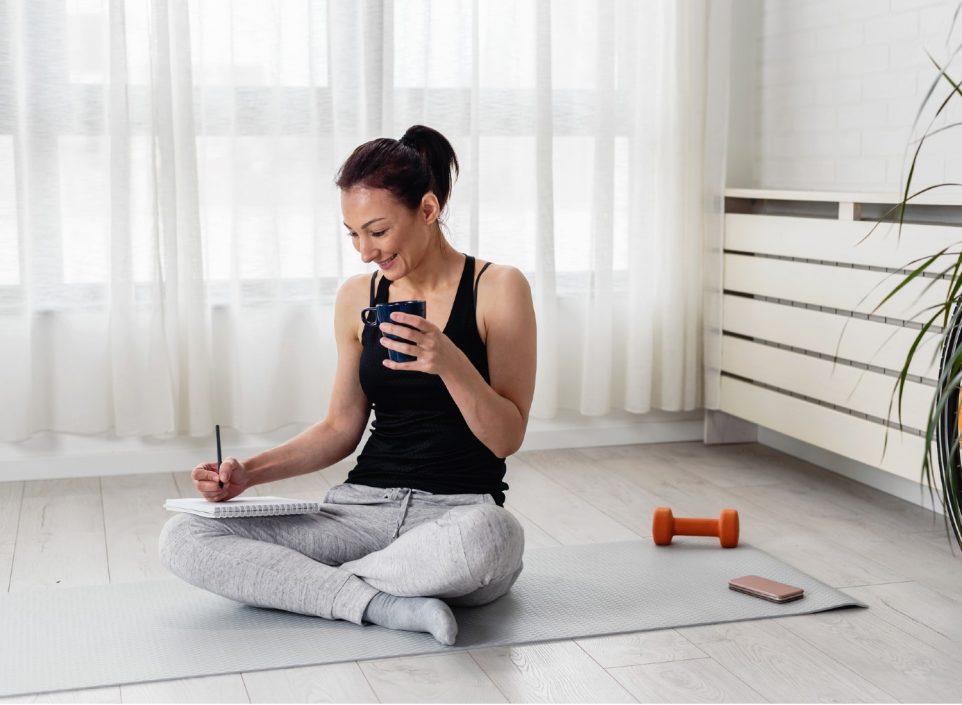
408	318
230	466
205	477
204	471
401	347
412	324
210	490
414	336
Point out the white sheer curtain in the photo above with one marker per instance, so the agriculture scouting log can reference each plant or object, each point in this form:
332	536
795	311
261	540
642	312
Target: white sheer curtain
170	236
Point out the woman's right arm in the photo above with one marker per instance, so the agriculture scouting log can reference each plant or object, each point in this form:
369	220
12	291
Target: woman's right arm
328	441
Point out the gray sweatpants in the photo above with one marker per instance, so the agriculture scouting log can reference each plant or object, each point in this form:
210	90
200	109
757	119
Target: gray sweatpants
462	548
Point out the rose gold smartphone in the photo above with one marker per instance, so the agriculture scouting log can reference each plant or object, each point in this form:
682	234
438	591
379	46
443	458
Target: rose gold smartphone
766	589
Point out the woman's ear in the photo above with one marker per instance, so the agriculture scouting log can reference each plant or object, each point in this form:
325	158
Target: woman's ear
430	208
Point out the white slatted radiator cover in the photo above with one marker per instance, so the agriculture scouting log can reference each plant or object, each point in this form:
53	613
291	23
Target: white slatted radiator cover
799	290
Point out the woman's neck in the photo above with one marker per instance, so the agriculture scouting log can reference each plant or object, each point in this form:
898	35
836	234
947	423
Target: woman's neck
435	270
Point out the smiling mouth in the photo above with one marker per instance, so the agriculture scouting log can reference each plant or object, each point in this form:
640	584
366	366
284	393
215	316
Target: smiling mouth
388	260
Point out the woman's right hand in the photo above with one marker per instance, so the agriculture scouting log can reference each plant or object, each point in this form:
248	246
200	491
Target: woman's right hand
232	474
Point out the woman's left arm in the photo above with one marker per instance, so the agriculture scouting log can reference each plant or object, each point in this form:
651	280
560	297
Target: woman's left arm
497	413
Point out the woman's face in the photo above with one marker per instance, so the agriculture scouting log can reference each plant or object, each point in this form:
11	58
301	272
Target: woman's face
382	230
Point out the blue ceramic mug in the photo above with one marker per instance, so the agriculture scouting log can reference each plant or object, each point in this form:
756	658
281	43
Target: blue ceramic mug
382	314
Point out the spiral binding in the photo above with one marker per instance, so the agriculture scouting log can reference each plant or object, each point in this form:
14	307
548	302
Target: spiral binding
265	509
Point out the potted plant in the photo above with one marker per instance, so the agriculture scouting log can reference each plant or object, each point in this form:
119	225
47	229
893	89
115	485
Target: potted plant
944	418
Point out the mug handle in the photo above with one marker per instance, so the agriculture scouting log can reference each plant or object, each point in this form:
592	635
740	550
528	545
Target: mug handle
364	316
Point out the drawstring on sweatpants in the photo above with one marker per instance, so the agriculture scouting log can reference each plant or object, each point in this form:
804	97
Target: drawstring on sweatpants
403	513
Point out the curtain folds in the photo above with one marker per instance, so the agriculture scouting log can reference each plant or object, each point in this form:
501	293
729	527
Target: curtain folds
717	72
171	238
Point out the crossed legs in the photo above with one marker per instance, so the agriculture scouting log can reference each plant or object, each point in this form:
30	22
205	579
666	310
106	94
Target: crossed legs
334	563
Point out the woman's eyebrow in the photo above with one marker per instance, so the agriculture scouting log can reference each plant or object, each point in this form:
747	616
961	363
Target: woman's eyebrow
366	224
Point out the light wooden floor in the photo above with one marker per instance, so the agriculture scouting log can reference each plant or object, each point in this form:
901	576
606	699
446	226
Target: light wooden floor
888	553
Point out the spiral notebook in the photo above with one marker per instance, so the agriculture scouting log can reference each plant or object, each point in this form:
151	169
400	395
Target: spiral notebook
242	506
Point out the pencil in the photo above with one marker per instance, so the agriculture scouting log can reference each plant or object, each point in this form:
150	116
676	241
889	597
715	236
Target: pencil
217	433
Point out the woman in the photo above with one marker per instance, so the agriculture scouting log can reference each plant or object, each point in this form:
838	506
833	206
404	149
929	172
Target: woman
420	522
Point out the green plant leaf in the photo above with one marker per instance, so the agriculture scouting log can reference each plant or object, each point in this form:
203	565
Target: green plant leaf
935	132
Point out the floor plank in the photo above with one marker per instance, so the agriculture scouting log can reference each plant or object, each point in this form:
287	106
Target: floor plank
903	666
917	610
555	672
185	486
752	464
564	515
853	497
921	557
764	656
725	465
687	493
823	515
11	495
61	535
941	560
228	688
534	535
825	559
611	493
824	546
434	678
640	648
328	683
133	516
697	681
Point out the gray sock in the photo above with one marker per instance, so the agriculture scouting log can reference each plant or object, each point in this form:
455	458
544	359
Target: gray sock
415	614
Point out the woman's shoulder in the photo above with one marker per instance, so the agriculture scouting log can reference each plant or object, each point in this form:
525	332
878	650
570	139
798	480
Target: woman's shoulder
498	275
354	292
354	285
501	290
353	295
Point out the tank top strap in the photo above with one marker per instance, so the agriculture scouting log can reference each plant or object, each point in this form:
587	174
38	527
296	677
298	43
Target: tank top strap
373	277
463	294
382	287
463	319
475	298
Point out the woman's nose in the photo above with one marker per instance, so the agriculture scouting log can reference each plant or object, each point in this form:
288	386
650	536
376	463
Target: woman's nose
368	253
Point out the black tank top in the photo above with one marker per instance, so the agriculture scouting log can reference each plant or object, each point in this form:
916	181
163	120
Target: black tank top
419	439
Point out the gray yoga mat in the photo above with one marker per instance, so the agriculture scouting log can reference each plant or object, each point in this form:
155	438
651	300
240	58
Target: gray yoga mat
98	635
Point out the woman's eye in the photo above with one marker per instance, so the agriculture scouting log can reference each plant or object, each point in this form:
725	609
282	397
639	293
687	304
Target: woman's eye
378	234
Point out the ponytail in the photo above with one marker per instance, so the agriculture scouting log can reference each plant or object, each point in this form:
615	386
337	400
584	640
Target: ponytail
422	160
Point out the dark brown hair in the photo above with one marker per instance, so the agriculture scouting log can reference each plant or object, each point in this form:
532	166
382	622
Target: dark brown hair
421	161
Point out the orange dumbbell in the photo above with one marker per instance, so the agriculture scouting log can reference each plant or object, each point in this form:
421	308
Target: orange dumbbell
664	526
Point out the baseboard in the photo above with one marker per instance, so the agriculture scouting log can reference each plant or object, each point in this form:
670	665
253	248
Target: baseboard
721	427
54	456
894	485
569	430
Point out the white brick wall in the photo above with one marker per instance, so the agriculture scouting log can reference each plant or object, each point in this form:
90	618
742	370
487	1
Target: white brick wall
838	84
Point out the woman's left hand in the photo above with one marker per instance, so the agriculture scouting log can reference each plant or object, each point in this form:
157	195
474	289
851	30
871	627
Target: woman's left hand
435	352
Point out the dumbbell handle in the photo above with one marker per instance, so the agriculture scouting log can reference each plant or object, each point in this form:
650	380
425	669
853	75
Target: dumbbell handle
695	526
